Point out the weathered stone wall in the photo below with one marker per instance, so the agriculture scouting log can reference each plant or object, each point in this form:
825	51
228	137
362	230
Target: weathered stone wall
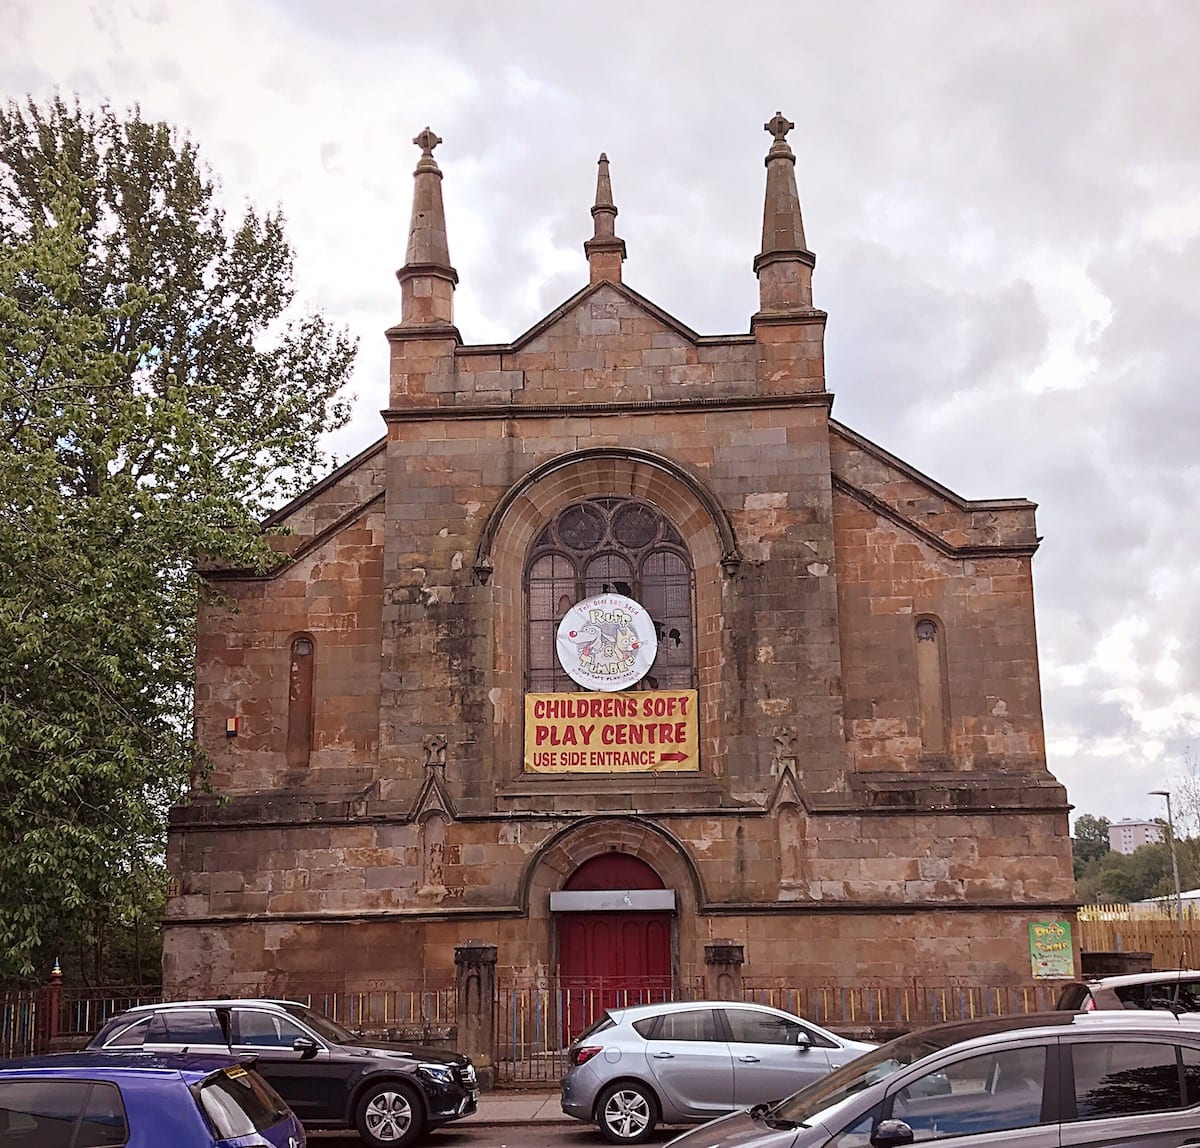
332	590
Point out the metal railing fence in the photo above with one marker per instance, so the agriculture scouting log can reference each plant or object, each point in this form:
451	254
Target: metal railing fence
535	1018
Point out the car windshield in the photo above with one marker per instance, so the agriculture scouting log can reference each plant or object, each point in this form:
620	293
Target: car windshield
321	1024
872	1067
860	1073
237	1102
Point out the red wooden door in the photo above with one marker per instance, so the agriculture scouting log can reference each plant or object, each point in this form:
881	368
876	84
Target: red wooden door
608	960
630	950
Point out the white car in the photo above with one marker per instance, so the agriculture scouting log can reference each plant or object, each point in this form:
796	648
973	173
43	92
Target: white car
688	1061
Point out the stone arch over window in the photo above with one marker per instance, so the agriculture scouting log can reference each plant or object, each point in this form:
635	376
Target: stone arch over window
532	504
933	694
570	849
300	699
609	545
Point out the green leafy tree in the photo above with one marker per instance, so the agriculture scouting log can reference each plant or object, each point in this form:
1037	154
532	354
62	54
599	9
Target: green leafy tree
1090	842
157	393
1146	872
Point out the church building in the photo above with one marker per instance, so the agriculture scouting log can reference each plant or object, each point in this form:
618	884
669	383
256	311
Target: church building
615	648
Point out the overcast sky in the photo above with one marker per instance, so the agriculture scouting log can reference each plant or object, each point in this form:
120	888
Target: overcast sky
1004	199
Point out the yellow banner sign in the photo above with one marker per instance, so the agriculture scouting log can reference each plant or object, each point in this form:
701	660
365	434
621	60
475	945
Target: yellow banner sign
631	732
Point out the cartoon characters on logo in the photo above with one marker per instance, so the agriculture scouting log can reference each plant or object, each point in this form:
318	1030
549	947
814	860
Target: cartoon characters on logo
607	642
605	647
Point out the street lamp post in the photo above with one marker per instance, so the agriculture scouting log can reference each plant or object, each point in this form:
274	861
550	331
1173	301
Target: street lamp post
1175	874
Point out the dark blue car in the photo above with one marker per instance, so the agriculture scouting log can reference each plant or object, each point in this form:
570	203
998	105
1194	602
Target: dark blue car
141	1100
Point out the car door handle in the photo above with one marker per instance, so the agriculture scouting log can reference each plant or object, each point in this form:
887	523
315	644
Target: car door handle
664	1056
748	1059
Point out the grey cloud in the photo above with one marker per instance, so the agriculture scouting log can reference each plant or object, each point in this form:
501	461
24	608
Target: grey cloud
957	164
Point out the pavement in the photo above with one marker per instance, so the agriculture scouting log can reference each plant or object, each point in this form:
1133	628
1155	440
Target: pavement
500	1107
519	1106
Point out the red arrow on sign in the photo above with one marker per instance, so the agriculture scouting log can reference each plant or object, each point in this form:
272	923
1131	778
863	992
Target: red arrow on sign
672	757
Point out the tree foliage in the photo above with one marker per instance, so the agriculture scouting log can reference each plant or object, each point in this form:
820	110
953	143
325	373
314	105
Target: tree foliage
1090	842
1137	876
156	395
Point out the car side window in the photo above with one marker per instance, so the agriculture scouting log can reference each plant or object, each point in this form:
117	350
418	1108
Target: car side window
1191	1076
1140	996
264	1029
694	1024
1118	1078
132	1037
185	1026
46	1114
1189	996
1161	995
993	1092
102	1124
748	1026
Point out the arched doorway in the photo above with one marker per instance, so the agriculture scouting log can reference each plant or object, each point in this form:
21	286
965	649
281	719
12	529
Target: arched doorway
613	930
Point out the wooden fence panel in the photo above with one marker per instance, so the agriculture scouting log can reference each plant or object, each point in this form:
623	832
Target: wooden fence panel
1128	929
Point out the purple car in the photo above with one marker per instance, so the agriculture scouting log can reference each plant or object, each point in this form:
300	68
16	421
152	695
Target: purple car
141	1100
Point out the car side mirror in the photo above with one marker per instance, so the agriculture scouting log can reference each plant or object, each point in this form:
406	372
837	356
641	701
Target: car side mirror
803	1040
889	1132
306	1047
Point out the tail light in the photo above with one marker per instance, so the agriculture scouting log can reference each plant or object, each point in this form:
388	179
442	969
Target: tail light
1089	1005
582	1053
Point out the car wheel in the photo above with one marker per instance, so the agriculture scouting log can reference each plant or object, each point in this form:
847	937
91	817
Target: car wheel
389	1116
626	1113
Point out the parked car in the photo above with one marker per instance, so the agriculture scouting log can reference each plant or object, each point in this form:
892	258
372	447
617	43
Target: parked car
1174	989
391	1094
688	1061
141	1100
1036	1081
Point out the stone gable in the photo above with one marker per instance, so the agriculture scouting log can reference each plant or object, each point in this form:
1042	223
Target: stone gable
869	799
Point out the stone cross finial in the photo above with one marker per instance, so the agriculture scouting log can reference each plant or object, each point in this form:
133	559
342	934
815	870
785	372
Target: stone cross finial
435	750
779	126
427	141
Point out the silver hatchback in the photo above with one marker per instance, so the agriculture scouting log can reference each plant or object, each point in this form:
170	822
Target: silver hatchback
689	1061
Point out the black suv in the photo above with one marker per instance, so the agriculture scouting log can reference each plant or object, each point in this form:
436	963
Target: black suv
330	1079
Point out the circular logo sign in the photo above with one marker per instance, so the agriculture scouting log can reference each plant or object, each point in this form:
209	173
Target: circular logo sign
607	642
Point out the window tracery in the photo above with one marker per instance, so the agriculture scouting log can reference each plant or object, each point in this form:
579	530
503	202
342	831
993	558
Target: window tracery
610	546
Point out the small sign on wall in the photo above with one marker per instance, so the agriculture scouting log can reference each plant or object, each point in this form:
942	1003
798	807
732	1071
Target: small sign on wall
1050	950
634	732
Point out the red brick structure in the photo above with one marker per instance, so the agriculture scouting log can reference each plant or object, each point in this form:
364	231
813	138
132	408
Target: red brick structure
868	797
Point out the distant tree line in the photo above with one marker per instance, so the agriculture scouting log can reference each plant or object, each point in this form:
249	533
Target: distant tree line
1102	875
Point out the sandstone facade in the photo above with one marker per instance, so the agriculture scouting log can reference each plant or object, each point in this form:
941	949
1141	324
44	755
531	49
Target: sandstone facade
872	801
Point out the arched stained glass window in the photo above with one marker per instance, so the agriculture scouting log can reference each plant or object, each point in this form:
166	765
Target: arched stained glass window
610	546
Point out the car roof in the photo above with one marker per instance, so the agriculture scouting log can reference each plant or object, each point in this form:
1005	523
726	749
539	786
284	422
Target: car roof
990	1030
1164	975
108	1065
634	1012
229	1002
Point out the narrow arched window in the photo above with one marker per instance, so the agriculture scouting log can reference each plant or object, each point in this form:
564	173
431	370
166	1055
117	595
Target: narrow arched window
300	700
932	693
610	546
